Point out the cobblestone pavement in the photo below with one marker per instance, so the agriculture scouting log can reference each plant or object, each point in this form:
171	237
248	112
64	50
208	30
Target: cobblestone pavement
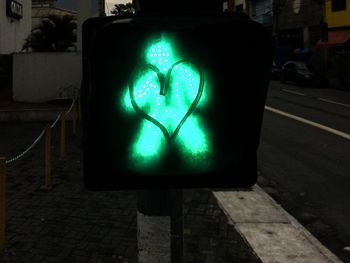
72	224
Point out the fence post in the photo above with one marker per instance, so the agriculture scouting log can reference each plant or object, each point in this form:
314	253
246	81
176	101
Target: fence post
74	117
48	181
2	203
63	136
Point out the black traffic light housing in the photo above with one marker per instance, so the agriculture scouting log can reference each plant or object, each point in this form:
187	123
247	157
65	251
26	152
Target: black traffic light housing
173	101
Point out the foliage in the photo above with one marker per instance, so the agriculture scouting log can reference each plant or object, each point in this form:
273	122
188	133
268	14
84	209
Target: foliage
54	33
123	9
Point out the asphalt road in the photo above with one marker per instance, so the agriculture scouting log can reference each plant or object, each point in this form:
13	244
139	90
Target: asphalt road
304	159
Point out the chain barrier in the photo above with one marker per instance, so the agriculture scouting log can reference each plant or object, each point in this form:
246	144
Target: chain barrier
37	140
55	122
47	132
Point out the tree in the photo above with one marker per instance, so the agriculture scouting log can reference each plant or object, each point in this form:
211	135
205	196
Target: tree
123	9
54	33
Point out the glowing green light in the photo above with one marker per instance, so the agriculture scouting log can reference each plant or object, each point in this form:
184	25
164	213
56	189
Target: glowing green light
147	148
165	92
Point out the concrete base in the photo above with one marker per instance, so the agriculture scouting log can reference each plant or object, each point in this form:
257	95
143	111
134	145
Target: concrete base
273	234
153	239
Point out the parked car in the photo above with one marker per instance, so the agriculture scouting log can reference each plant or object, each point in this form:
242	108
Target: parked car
296	71
275	72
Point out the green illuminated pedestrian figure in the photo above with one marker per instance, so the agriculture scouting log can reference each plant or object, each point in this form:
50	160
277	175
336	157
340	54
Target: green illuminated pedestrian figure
167	92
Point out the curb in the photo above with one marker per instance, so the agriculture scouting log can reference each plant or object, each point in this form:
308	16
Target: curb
273	234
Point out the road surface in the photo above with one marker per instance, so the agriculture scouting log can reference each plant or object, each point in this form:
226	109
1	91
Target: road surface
304	159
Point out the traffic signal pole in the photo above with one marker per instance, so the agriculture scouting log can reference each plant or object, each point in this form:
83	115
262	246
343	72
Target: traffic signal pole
160	212
157	98
160	226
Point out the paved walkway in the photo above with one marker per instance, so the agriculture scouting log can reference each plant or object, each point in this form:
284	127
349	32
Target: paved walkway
71	224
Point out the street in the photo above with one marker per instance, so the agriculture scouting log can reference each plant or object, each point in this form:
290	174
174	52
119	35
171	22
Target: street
304	159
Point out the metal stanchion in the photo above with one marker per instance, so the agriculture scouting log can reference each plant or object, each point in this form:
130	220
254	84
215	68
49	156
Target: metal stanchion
63	136
48	180
2	203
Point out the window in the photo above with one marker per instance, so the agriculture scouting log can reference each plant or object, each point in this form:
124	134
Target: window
338	5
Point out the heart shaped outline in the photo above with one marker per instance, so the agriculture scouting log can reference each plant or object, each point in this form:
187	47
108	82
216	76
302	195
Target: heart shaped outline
164	85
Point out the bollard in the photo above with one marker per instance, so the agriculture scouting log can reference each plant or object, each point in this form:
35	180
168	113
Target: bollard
48	181
74	117
2	203
63	136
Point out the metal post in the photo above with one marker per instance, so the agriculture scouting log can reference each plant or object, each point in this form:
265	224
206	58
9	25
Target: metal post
177	241
63	136
79	108
160	226
2	203
74	117
48	181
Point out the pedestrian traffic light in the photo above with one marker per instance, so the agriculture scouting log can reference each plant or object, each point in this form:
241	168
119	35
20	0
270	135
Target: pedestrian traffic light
173	101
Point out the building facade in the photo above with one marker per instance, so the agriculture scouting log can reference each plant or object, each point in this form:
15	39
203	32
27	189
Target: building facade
337	16
261	11
15	24
337	13
298	23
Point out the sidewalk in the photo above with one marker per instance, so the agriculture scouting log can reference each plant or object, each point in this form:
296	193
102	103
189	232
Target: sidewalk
71	224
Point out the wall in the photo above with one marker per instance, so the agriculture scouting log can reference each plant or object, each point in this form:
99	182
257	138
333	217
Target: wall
337	18
299	14
13	32
43	76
